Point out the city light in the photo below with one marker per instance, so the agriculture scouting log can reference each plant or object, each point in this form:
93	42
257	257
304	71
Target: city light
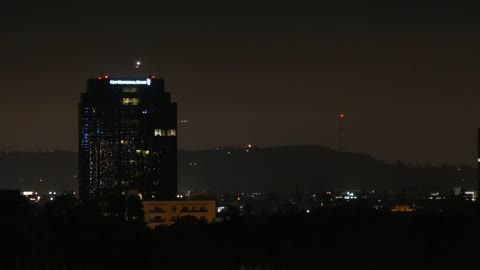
130	82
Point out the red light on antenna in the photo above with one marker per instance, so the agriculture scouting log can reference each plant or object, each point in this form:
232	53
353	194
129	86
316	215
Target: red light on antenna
99	77
153	77
106	77
342	115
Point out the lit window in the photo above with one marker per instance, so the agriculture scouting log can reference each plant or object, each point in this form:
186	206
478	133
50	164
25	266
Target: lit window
129	89
160	132
142	152
130	101
171	132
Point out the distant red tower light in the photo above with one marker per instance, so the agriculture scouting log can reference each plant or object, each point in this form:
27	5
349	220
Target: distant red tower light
106	77
342	115
99	77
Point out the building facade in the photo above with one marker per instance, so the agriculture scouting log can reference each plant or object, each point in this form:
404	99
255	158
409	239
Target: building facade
127	139
164	213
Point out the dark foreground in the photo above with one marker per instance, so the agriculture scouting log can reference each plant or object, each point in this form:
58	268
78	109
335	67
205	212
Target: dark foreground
77	236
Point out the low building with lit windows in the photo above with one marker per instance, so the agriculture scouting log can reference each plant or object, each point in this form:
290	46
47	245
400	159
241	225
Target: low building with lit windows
127	139
402	208
164	213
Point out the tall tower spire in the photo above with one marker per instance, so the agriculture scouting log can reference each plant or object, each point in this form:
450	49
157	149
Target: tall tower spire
341	134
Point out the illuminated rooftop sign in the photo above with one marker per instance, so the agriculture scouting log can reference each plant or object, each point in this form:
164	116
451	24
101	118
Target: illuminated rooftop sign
131	82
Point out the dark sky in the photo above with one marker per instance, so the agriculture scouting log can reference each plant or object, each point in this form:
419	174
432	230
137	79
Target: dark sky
406	76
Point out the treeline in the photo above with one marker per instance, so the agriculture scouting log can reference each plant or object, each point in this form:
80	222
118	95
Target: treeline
68	234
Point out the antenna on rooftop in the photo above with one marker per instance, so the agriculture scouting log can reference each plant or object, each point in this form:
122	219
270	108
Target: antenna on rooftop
137	65
341	133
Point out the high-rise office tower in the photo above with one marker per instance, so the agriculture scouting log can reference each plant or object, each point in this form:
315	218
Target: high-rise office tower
127	139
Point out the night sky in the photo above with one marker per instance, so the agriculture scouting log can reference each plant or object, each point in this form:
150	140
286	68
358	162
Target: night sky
405	76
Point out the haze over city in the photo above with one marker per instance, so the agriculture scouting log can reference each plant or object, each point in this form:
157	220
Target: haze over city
273	75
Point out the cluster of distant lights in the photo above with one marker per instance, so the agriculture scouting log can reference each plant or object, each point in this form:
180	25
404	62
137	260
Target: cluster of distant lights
348	196
249	147
239	196
35	197
29	193
470	196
